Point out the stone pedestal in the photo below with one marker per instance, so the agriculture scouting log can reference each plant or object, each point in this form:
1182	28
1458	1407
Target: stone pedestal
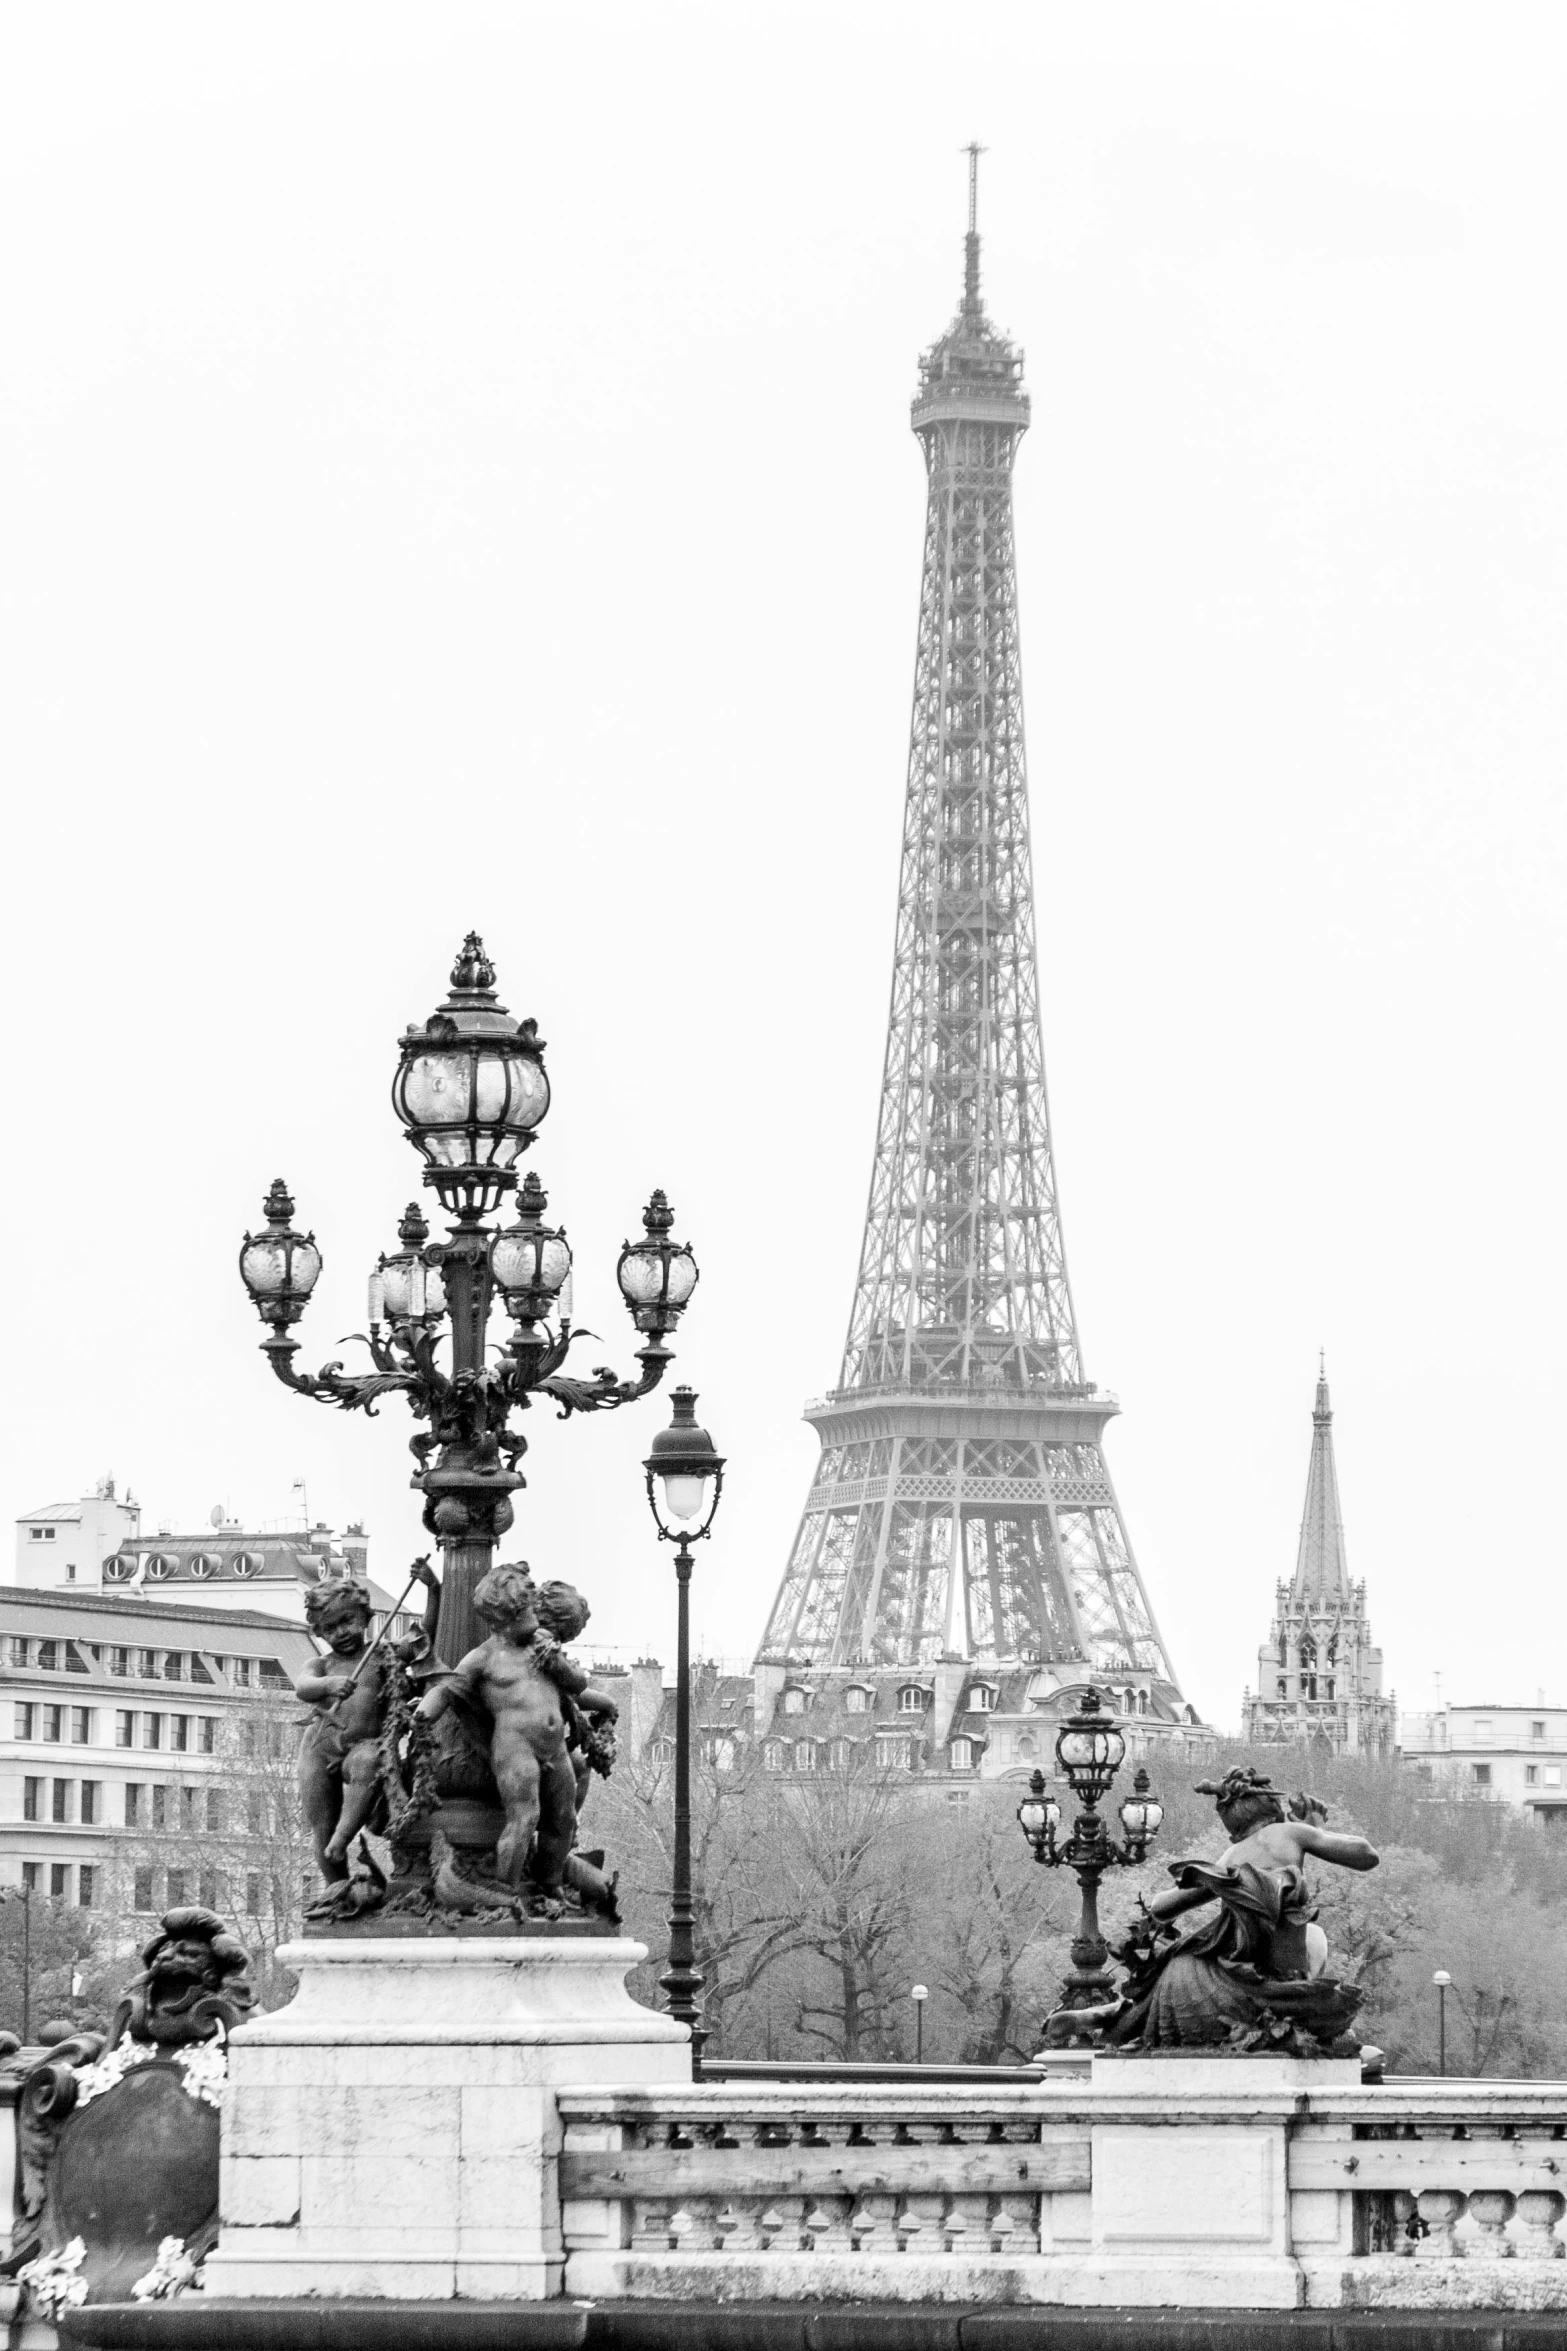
392	2132
1191	2203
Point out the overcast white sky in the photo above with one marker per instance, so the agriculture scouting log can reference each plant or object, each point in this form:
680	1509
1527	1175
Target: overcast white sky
455	470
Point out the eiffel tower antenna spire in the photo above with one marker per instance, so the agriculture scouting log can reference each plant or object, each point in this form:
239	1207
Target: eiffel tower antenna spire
972	305
963	1504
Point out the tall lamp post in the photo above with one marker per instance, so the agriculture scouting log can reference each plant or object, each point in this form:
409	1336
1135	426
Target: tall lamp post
1089	1751
919	1994
1441	1979
683	1460
471	1090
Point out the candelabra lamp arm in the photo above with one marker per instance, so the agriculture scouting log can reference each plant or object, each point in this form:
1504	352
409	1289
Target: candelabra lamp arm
604	1392
331	1385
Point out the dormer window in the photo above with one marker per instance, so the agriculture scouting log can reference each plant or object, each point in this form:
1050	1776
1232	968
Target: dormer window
774	1754
982	1699
961	1753
794	1699
911	1699
805	1755
856	1699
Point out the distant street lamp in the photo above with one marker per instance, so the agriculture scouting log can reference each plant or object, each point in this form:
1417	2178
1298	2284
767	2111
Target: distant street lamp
1090	1748
1441	1979
919	1994
471	1089
682	1460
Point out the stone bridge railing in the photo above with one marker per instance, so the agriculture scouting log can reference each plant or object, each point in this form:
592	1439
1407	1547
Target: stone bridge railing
1246	2182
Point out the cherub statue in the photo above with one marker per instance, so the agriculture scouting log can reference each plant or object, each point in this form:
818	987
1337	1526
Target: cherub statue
339	1758
524	1683
590	1711
1255	1974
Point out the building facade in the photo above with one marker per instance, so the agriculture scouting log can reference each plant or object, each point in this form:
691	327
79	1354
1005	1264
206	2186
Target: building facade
962	1512
120	1722
1513	1754
1319	1674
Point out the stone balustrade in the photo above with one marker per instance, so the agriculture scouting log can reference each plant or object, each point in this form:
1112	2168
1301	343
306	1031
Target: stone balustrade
1245	2182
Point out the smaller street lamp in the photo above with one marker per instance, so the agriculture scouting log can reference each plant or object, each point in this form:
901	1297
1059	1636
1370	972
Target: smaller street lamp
1090	1748
1441	1979
683	1460
919	1994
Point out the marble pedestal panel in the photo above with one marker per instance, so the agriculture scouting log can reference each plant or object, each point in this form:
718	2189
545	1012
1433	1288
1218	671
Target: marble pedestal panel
393	2131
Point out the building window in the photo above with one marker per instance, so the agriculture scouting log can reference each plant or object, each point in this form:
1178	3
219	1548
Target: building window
892	1754
911	1700
1531	1775
32	1799
1482	1773
133	1795
242	1673
215	1808
24	1722
86	1885
982	1699
141	1898
48	1656
188	1799
805	1755
773	1754
124	1729
54	1723
253	1893
207	1889
1553	1775
176	1889
174	1667
30	1874
253	1812
59	1881
18	1651
209	1734
146	1665
180	1736
957	1796
120	1662
794	1701
962	1754
61	1807
152	1730
1537	1730
839	1755
81	1726
160	1808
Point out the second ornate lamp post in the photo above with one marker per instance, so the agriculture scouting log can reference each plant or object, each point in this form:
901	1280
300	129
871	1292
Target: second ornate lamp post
1090	1748
683	1460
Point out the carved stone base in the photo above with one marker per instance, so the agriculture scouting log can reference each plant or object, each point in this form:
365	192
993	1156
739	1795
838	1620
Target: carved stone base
393	2131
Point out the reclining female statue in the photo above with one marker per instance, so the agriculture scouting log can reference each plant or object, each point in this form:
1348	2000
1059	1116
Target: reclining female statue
1254	1975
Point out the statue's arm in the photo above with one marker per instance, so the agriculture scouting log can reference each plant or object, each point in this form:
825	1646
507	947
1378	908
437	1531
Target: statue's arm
1177	1899
1331	1845
464	1681
316	1684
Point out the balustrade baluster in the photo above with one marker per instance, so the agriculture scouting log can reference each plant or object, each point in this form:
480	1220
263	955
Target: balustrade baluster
1491	2209
873	2224
1441	2209
1539	2210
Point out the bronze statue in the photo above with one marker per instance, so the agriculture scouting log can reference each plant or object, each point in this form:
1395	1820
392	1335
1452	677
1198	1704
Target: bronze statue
1252	1978
340	1782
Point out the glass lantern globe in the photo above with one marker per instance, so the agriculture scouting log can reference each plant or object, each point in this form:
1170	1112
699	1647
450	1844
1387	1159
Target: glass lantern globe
278	1266
683	1460
530	1260
1141	1812
403	1289
656	1275
1039	1815
1089	1749
471	1088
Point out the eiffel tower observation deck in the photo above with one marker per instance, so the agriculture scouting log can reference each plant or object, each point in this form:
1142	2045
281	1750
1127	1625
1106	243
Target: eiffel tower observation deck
963	1507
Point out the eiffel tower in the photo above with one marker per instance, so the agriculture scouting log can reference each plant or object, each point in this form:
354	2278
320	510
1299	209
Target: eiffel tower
962	1506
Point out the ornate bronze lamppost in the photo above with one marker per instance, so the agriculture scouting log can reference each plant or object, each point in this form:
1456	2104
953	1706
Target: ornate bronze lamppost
1089	1750
471	1090
683	1460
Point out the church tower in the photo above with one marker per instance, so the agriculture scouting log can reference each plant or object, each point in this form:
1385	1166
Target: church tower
1319	1679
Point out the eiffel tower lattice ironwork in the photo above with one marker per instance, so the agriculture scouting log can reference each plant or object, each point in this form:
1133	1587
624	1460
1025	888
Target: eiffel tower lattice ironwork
962	1503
